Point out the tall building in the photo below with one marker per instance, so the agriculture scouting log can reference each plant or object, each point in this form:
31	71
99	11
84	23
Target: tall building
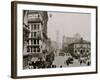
57	39
34	34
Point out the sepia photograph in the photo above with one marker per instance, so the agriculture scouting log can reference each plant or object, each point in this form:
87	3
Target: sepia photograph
56	39
53	39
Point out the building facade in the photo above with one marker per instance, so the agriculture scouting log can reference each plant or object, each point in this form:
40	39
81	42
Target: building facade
68	40
80	49
34	35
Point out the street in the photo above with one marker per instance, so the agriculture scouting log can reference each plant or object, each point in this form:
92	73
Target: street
61	61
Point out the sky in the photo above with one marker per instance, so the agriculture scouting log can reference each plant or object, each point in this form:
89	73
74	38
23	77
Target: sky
68	24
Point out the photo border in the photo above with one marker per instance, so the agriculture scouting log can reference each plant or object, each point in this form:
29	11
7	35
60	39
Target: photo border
14	37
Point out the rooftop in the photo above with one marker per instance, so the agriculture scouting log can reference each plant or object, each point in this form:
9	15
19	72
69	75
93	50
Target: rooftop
81	41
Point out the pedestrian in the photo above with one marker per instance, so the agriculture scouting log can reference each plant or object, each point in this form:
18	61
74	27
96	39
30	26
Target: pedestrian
88	63
60	66
54	66
80	62
67	62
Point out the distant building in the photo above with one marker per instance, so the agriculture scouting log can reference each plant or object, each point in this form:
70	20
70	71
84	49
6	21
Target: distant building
34	34
68	40
77	36
81	48
57	39
54	45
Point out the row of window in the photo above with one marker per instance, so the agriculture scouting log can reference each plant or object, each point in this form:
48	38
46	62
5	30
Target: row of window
33	16
33	41
25	34
33	49
82	51
35	34
82	45
35	26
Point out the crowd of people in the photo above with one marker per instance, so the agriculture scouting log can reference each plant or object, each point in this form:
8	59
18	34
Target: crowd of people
48	63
